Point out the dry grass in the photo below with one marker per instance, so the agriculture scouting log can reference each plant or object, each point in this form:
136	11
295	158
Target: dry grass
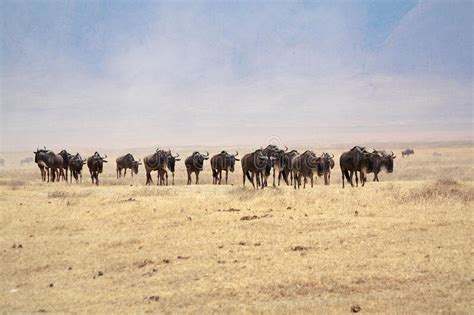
401	245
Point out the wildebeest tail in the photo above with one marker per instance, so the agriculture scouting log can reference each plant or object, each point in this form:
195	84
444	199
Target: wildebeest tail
347	175
247	173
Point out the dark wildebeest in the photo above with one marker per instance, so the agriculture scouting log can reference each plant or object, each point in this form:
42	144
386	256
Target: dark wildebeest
76	167
66	161
95	163
382	160
304	165
287	170
53	161
222	162
358	159
325	164
277	163
407	152
168	165
127	161
2	162
154	162
256	163
27	160
195	164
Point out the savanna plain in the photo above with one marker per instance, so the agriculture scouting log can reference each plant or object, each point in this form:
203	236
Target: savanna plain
402	245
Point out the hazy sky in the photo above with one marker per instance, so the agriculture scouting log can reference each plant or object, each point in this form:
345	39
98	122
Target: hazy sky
128	73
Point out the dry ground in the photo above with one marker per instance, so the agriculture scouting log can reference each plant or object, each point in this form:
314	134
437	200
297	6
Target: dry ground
401	245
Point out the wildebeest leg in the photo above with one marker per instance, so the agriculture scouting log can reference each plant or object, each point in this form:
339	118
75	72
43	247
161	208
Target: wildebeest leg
362	178
312	179
124	172
274	177
376	176
96	178
357	178
220	176
189	176
326	179
197	177
226	176
166	176
92	177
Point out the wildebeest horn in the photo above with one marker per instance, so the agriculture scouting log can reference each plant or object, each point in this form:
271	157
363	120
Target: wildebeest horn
236	153
331	155
44	147
105	156
207	153
177	154
286	148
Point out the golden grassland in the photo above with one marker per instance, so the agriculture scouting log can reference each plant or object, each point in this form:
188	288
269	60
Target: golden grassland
401	245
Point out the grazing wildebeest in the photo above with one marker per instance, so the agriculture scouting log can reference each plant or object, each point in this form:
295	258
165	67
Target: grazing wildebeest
2	162
256	163
76	167
168	165
127	161
27	160
66	161
222	162
194	164
53	161
277	163
153	162
325	164
381	160
95	165
407	152
358	159
305	165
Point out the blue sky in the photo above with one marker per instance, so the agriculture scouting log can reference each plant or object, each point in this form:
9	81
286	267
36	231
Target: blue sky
244	68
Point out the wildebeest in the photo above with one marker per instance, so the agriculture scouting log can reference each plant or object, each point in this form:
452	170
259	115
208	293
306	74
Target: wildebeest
222	162
27	160
358	159
325	163
125	162
168	165
278	163
153	162
305	165
66	161
95	165
381	160
256	164
53	161
287	170
2	162
194	164
76	167
407	152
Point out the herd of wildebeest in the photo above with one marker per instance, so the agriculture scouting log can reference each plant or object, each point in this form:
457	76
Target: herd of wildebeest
293	167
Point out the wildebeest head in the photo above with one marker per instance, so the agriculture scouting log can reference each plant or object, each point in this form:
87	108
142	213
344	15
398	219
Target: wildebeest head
98	161
387	161
39	153
230	160
135	166
171	160
198	159
77	162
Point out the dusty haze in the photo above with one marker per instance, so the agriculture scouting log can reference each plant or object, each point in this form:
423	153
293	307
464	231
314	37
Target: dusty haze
112	75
